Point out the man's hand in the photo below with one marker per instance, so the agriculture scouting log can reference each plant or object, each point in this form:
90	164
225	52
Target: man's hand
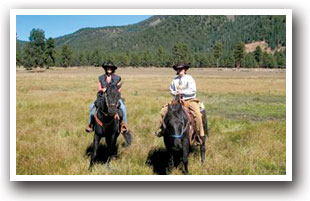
179	92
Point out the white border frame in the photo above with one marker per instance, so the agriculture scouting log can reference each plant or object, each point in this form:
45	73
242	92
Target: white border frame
287	177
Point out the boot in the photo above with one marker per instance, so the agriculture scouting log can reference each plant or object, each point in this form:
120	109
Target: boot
124	128
159	133
89	128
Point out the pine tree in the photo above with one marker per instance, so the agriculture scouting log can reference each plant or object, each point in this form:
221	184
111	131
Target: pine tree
160	56
81	59
249	61
66	56
37	40
19	54
123	59
34	51
29	56
135	60
180	52
268	60
217	52
50	53
258	55
229	59
280	59
239	53
96	58
146	59
201	60
88	58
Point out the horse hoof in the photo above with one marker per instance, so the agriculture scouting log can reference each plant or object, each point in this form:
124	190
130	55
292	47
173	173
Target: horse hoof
125	145
114	157
185	173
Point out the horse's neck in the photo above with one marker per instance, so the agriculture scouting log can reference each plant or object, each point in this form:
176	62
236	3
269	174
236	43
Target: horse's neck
102	116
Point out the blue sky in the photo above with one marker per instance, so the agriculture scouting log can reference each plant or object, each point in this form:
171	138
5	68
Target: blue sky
59	25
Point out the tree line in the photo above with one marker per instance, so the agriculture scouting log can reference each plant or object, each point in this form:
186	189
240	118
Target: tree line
42	52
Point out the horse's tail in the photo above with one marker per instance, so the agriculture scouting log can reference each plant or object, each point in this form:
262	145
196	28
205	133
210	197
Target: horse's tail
205	122
128	139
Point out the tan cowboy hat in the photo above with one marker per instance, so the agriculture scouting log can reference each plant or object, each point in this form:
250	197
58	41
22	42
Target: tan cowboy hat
181	65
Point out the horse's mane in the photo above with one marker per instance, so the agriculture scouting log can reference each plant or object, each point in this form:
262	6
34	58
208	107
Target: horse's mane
112	88
100	101
175	111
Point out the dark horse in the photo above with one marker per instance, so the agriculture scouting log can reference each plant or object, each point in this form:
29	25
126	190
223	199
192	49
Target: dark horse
177	134
107	122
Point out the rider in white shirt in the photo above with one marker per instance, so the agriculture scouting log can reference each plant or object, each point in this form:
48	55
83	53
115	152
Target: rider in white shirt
184	84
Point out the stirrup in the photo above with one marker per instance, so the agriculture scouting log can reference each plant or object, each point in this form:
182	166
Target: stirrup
158	133
124	128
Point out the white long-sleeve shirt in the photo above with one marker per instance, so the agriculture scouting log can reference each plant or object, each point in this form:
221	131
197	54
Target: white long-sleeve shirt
186	84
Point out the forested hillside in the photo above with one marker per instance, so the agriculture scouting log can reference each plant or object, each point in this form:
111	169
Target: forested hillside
205	41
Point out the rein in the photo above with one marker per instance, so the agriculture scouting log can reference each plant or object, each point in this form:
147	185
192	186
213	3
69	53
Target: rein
107	102
182	132
178	100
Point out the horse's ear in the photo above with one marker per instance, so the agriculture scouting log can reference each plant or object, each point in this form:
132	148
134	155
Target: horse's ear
169	106
99	94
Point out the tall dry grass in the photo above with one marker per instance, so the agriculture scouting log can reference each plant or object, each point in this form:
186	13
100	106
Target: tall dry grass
246	115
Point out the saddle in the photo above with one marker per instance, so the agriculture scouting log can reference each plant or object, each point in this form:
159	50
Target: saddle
194	137
102	124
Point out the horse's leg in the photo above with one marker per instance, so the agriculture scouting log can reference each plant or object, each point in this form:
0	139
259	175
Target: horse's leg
203	149
185	156
108	141
204	138
113	150
170	154
170	161
94	155
111	144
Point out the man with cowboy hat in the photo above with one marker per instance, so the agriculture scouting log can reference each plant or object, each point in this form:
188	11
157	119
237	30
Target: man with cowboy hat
109	78
184	84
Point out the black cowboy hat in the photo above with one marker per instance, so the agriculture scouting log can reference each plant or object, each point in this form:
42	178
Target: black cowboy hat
181	65
109	64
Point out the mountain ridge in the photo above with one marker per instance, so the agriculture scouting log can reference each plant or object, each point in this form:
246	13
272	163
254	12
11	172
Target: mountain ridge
166	30
163	39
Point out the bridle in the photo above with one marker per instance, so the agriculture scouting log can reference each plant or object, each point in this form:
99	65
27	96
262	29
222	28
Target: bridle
107	102
182	132
116	116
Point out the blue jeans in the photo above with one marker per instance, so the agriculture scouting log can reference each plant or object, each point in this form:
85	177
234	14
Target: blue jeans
92	111
123	108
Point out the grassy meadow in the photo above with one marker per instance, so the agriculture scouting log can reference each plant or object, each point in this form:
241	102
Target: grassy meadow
246	114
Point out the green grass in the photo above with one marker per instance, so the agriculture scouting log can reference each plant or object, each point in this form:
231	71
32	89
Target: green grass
246	106
246	121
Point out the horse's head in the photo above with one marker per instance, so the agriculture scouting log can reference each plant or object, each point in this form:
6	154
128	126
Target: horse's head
178	99
175	125
112	97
